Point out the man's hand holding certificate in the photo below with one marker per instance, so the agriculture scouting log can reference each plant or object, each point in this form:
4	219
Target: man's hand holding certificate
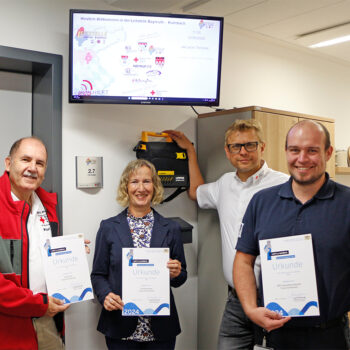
66	268
146	282
288	275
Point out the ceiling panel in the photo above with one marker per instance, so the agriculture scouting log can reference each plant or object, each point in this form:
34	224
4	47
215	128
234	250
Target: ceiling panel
281	19
314	38
224	7
274	13
147	5
341	51
320	18
207	8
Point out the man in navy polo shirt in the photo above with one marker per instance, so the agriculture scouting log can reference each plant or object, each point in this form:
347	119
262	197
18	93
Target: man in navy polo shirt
309	203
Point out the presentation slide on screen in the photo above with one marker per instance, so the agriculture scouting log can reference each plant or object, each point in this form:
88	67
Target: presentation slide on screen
116	55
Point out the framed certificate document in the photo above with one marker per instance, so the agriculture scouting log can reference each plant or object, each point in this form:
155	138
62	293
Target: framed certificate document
288	275
66	268
146	282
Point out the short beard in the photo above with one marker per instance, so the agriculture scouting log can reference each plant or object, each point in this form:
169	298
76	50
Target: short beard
307	182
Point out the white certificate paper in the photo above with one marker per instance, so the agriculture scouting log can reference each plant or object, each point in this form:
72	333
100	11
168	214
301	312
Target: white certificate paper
146	282
66	268
288	275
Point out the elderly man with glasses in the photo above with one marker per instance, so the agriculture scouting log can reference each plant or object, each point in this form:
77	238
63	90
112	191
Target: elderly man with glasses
230	195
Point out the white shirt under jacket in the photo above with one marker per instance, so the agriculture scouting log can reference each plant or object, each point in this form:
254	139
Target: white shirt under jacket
39	230
230	196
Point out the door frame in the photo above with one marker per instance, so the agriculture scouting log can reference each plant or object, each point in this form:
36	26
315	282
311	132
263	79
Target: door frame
46	72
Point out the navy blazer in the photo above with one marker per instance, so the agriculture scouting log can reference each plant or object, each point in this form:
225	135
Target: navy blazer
113	235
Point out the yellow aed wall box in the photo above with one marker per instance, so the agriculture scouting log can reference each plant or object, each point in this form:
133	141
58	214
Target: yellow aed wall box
170	161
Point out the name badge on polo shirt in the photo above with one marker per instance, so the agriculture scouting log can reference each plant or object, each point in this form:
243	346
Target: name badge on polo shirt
260	347
263	346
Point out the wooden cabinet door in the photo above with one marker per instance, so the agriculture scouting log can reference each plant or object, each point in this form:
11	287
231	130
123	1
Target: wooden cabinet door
275	128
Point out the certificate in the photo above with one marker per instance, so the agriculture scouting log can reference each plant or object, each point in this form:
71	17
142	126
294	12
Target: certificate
146	282
288	275
66	268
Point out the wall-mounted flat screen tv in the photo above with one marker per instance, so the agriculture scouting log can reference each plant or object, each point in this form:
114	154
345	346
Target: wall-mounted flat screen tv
144	58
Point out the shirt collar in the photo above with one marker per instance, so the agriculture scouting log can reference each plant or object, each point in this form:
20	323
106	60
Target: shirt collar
256	177
35	201
14	197
325	192
148	216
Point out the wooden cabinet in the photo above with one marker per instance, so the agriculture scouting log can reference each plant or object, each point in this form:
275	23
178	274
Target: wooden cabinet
342	170
276	124
275	127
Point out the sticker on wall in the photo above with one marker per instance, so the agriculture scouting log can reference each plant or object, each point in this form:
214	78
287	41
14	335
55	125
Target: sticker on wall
89	172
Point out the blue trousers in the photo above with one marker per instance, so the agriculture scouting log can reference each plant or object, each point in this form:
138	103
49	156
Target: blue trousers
236	330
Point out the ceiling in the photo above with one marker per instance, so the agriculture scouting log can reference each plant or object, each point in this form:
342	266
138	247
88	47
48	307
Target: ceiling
300	22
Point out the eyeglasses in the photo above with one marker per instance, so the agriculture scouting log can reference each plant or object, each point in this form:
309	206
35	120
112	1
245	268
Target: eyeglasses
236	147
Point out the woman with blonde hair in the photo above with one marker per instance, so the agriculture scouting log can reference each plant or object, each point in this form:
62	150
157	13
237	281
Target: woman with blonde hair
138	226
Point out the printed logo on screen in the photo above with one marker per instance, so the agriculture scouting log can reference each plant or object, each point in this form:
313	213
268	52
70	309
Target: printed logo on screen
142	46
83	35
159	61
86	88
205	24
153	73
151	49
80	36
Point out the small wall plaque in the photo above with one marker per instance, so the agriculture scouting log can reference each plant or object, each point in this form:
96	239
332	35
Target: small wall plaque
89	172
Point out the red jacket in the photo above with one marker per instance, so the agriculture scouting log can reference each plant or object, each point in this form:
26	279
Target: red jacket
18	304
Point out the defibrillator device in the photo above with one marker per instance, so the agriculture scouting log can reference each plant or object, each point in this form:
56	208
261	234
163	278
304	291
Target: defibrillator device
170	161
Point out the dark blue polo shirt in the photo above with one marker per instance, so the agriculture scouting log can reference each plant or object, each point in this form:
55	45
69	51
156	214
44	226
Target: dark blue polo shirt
275	212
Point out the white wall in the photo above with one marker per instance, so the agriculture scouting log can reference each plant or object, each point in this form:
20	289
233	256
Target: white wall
112	132
256	71
265	72
16	110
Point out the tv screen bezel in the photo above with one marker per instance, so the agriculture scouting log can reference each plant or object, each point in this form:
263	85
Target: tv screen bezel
125	99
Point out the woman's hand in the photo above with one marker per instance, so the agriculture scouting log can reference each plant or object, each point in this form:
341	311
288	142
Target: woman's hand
113	302
175	267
